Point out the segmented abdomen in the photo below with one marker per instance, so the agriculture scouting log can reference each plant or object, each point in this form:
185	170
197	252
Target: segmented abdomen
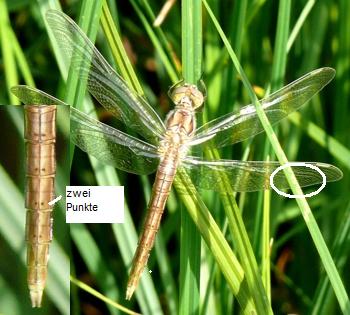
40	137
160	192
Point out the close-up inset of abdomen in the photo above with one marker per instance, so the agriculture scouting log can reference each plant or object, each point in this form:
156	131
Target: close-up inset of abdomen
40	138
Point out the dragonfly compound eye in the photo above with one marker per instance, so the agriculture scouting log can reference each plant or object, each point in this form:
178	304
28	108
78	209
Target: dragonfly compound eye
181	90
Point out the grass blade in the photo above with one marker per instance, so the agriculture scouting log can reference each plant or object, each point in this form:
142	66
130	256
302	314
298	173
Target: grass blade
310	221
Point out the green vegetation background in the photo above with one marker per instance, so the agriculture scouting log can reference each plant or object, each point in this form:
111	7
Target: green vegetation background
101	254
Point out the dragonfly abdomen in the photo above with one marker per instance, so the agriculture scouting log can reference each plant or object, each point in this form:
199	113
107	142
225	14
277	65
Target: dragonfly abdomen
160	193
40	136
181	124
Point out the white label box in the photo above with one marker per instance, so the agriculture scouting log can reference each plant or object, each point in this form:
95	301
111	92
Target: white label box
94	204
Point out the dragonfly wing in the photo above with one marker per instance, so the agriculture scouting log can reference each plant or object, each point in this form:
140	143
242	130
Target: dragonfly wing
111	146
246	176
102	81
32	96
233	128
107	144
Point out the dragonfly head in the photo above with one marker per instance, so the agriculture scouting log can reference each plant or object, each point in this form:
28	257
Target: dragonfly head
188	95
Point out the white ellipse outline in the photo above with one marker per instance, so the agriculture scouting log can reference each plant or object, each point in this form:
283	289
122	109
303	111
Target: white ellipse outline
324	180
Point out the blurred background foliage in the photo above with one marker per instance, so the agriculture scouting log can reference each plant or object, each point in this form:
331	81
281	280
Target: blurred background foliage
319	132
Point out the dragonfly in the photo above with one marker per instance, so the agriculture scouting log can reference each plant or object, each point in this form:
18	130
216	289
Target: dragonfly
164	147
40	138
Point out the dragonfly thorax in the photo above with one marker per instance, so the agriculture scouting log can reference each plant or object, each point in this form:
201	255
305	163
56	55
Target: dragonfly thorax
181	121
180	127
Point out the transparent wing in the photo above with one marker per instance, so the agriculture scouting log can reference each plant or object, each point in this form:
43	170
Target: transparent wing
32	96
102	81
233	128
252	175
107	144
111	146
